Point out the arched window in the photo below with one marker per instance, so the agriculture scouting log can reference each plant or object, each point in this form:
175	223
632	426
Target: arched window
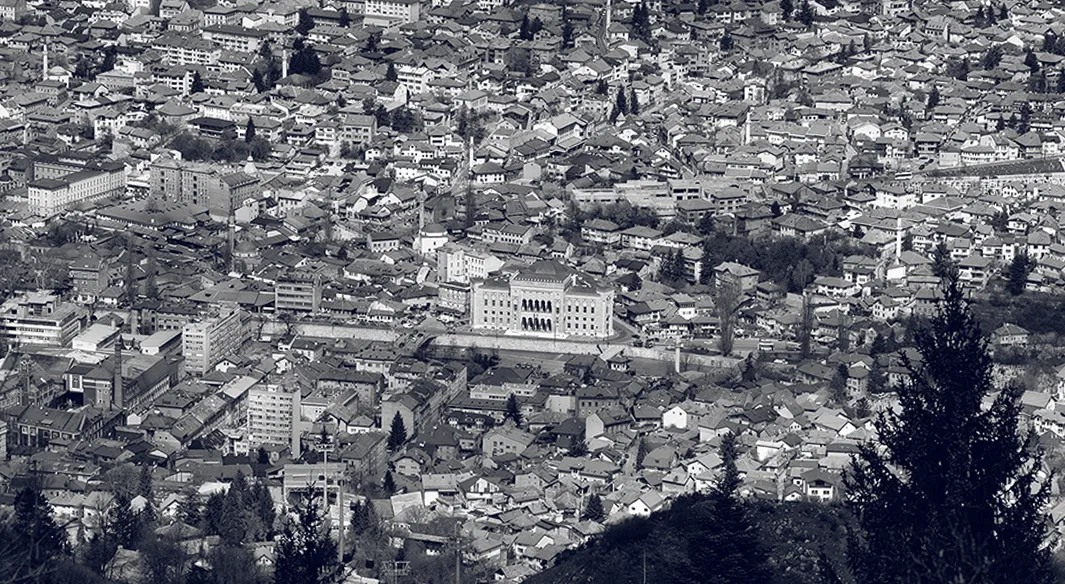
524	304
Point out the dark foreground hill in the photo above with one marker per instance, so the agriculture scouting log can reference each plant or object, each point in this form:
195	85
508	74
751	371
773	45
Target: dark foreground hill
685	544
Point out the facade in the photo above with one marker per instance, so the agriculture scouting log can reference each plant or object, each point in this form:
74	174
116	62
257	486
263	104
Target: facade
273	415
202	185
40	319
48	196
207	342
546	299
388	13
298	293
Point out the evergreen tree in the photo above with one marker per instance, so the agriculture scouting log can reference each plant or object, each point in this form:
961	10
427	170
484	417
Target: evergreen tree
39	542
523	29
144	483
189	509
389	483
304	22
634	102
390	72
345	18
806	13
837	387
1003	13
398	433
1031	61
197	83
305	554
1061	81
513	409
950	492
602	87
1024	119
231	521
726	43
641	22
249	131
593	511
732	540
123	523
641	452
621	102
577	447
942	264
787	7
992	57
1017	274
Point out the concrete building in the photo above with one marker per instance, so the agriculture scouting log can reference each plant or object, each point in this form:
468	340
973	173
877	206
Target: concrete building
546	299
202	184
40	319
48	196
274	416
389	13
298	293
206	342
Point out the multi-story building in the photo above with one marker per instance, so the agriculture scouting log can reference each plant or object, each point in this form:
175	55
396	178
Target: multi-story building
40	319
205	343
179	49
48	196
299	293
456	263
35	427
91	275
235	38
389	13
546	299
202	184
273	416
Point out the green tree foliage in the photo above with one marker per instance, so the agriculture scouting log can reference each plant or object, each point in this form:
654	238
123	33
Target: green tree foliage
671	270
390	72
950	490
577	447
249	131
806	14
165	560
398	433
641	22
345	18
641	452
197	83
232	565
623	213
304	22
305	553
304	60
992	57
513	409
1017	274
35	543
787	7
634	102
593	511
837	386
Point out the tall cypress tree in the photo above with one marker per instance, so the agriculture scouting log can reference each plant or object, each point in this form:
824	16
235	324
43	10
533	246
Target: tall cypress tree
950	491
305	552
398	433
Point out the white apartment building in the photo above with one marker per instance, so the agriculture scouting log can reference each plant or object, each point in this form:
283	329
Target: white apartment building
207	342
389	13
273	416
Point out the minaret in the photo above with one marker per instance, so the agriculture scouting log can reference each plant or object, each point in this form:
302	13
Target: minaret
284	63
116	391
44	66
898	238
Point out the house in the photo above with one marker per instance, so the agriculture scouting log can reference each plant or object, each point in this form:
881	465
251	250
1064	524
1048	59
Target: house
506	440
1010	335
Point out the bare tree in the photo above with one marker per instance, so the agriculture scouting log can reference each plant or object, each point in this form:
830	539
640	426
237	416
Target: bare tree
728	296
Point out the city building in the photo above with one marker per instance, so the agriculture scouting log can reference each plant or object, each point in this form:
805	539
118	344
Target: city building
547	299
40	319
298	293
390	13
203	185
274	416
48	196
206	342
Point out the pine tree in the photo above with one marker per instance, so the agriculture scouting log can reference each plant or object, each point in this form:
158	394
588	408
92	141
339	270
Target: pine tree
933	97
249	131
577	447
942	264
634	102
1017	274
806	13
950	492
837	387
305	554
389	483
593	511
513	409
390	72
345	18
123	523
621	102
641	452
1031	61
524	32
726	44
398	434
190	510
39	540
197	83
305	23
786	8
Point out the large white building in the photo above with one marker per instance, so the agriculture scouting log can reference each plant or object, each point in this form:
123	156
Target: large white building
48	196
205	343
388	13
547	299
274	416
40	319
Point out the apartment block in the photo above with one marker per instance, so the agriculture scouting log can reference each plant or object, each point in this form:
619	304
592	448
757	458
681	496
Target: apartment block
206	342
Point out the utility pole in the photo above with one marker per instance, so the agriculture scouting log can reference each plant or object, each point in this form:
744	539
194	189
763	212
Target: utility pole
458	552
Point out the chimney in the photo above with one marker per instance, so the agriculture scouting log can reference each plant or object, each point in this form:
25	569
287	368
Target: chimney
134	322
116	391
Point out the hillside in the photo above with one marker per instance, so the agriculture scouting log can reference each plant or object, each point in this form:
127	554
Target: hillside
684	544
